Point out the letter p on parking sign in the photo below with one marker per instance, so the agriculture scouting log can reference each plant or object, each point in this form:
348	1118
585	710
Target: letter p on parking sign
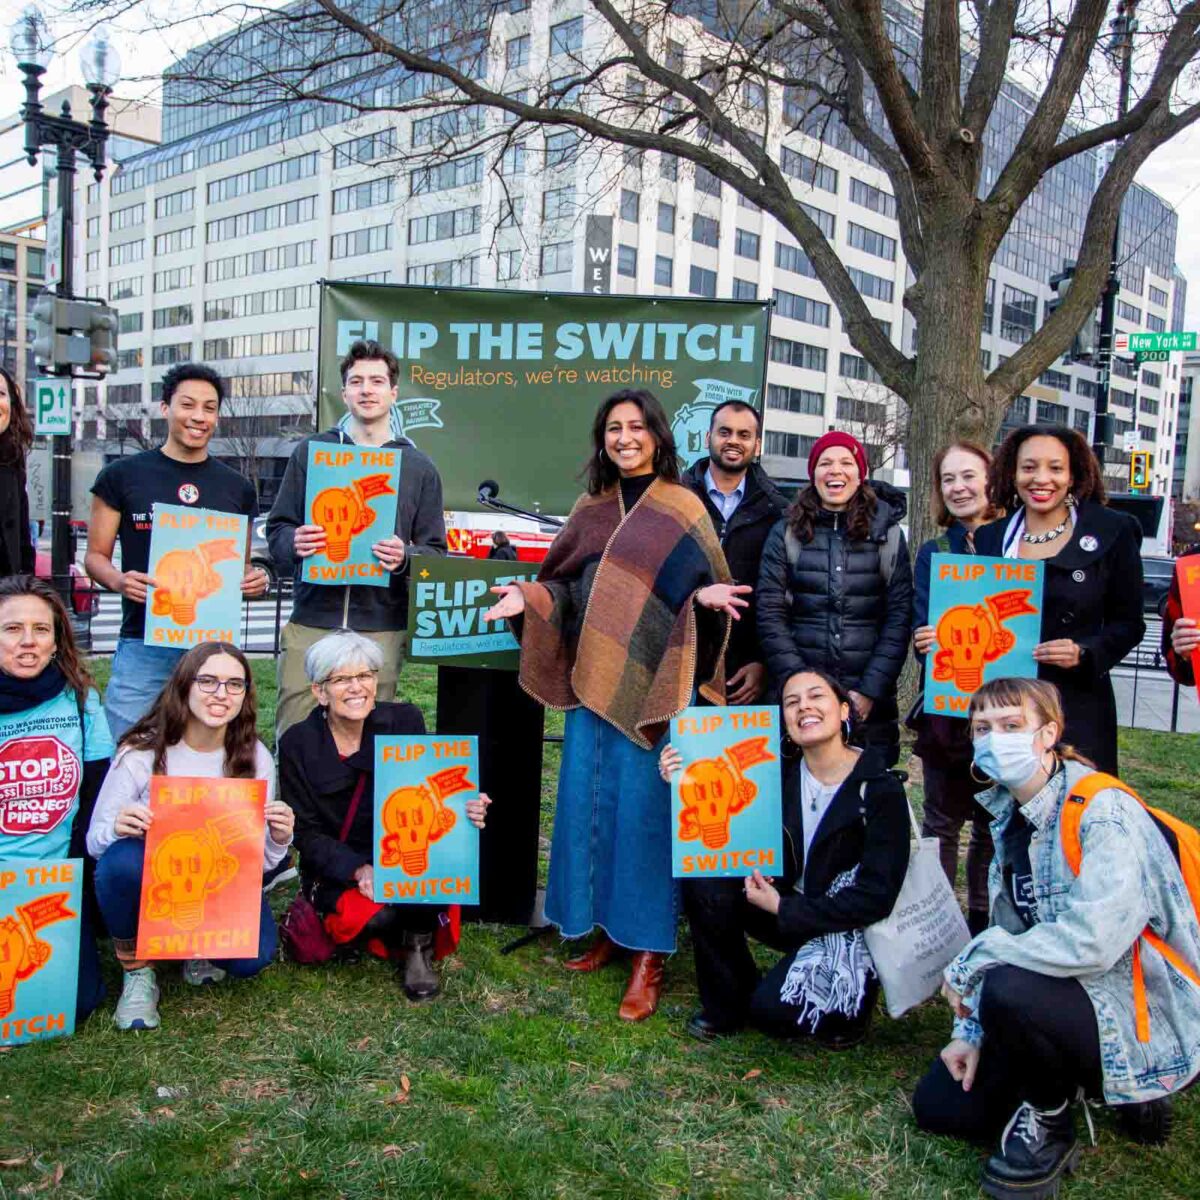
52	406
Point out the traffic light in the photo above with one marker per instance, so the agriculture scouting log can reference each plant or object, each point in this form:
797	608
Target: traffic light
70	334
1083	346
1139	470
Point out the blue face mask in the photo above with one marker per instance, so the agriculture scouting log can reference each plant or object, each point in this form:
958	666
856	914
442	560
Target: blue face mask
1010	759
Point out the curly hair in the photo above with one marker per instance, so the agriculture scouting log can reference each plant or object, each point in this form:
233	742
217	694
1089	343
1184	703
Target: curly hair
164	725
66	652
937	502
805	512
1086	481
601	471
16	440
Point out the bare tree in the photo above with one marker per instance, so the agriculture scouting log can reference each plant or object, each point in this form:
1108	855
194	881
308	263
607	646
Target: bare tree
913	89
255	426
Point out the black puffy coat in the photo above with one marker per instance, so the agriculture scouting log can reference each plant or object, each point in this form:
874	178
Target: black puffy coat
835	611
1092	595
742	538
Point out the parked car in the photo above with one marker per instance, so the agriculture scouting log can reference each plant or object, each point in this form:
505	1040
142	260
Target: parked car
1156	583
260	553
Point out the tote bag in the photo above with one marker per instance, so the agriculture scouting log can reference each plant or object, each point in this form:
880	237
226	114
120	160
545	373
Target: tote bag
922	935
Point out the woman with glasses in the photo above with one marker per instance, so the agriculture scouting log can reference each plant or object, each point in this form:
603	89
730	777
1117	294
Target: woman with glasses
327	772
202	724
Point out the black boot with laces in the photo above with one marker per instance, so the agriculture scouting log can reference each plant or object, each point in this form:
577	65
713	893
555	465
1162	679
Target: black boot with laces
1037	1148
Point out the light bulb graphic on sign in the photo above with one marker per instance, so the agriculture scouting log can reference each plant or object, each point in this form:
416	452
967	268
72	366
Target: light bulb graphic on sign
188	866
188	576
713	790
413	817
343	512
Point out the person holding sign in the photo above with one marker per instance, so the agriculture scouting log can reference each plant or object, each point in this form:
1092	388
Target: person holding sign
629	616
960	506
180	472
203	725
835	588
846	842
1181	633
54	747
1087	979
327	772
369	378
17	551
1048	479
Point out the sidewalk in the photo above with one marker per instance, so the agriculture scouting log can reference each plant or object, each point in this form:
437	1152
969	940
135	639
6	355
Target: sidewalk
1152	692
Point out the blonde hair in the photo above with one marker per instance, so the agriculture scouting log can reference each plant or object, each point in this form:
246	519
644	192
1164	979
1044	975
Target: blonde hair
1042	697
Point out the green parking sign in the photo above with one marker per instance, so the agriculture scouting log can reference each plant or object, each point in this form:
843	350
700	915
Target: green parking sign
52	406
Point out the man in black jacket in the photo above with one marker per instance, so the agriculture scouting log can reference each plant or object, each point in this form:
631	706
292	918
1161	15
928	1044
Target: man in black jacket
369	377
744	506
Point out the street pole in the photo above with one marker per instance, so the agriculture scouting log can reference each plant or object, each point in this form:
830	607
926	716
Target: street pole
60	499
1123	27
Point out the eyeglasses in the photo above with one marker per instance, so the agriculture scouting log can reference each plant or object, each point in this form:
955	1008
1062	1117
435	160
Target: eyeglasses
209	684
364	678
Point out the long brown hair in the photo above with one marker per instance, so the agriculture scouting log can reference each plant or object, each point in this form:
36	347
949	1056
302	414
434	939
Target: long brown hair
1087	483
937	502
163	726
601	471
806	511
16	440
65	651
1045	700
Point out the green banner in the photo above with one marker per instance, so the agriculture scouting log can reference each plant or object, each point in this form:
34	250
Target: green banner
503	385
447	598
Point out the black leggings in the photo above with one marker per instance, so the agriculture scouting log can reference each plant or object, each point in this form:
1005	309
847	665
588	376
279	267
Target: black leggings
1040	1045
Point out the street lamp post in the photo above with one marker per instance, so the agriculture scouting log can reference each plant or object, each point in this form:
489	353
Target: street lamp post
101	70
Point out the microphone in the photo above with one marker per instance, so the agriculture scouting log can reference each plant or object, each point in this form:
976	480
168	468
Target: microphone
489	489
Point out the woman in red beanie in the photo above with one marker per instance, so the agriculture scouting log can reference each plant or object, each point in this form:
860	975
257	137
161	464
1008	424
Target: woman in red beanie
835	588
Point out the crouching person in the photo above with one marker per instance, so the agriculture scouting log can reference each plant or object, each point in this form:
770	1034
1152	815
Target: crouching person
327	773
1086	981
846	844
202	724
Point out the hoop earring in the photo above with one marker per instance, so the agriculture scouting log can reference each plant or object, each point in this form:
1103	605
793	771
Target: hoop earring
979	778
846	730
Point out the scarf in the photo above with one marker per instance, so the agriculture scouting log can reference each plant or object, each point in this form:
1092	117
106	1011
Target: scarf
626	582
829	973
20	695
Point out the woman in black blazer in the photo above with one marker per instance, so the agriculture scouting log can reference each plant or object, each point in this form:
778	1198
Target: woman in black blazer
326	767
1049	480
845	850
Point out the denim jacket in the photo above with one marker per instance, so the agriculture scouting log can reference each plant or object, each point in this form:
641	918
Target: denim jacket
1086	929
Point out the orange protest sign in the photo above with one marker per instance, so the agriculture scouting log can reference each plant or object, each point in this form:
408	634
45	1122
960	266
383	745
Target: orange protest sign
1187	571
202	874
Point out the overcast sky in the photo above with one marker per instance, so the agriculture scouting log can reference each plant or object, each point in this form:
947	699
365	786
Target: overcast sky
1173	171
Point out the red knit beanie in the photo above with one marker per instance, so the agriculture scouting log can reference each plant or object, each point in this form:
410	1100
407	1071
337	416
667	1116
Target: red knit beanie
836	437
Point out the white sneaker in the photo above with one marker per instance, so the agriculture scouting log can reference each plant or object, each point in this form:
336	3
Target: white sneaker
199	971
138	1005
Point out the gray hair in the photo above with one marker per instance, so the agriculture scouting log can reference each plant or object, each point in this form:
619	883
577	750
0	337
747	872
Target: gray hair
339	650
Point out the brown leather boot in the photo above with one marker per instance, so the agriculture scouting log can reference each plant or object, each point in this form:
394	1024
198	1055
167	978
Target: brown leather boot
645	985
600	954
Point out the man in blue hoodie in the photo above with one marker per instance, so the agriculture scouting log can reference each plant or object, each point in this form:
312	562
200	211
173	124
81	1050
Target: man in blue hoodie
369	378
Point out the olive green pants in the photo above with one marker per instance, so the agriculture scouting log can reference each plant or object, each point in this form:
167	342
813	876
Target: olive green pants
295	698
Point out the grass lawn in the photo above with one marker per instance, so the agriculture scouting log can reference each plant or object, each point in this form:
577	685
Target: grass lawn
519	1081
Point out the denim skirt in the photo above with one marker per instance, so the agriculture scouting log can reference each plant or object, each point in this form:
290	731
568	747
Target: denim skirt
610	857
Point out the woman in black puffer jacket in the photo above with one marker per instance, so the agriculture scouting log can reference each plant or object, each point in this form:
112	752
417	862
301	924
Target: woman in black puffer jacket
835	588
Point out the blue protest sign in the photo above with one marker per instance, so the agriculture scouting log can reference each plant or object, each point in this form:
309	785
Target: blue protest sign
426	851
351	493
987	620
197	559
39	947
727	799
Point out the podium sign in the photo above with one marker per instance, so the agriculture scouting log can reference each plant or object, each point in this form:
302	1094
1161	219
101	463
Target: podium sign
446	602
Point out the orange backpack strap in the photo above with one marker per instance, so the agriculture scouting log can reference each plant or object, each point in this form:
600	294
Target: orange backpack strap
1080	796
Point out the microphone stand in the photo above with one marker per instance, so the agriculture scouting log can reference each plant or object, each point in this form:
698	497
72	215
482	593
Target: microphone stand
515	511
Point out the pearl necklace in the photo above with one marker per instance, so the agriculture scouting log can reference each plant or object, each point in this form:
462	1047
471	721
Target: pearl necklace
1039	539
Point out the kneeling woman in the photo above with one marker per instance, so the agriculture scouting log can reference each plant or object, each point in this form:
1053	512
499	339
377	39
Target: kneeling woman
1087	978
846	845
327	772
202	724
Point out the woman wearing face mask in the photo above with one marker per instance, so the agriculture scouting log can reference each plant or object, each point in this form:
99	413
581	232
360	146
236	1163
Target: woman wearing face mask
202	724
960	506
1047	1001
46	693
835	588
16	437
846	844
1048	479
627	621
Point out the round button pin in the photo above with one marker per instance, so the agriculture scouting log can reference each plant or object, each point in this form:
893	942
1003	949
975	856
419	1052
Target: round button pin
1088	543
1078	576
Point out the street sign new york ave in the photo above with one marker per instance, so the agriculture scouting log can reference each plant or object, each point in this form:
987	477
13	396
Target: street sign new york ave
1155	341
